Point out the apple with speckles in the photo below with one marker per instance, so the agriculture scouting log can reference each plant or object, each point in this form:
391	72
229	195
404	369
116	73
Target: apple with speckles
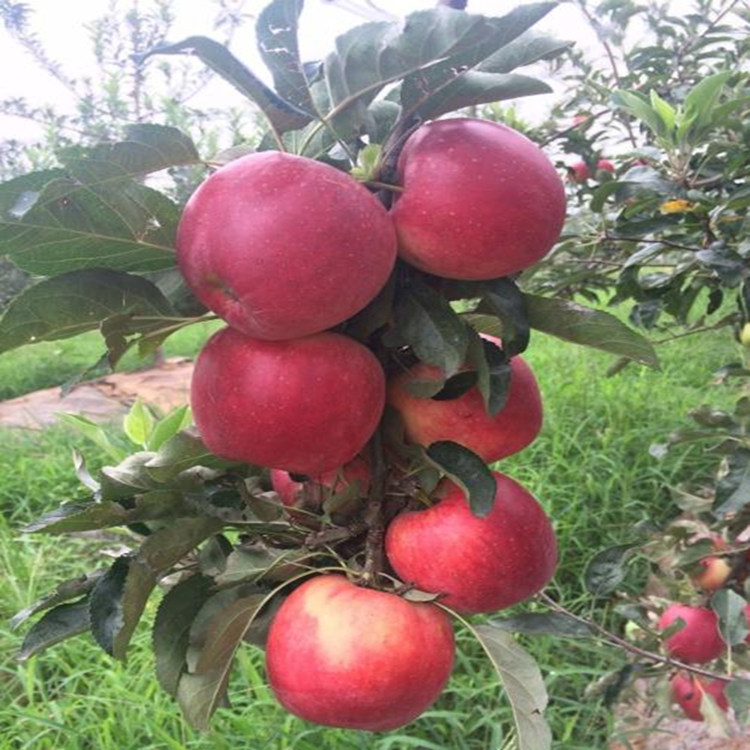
688	692
476	564
479	200
346	656
307	405
465	420
281	246
699	641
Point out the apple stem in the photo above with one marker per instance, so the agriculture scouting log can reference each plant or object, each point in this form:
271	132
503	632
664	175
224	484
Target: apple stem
622	643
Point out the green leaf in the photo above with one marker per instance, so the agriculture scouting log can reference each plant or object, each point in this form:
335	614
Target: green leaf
119	598
93	432
501	297
733	489
170	636
179	419
606	570
138	423
544	623
738	694
276	35
281	115
91	216
700	103
426	322
79	301
637	106
666	112
582	325
62	593
468	471
730	608
528	48
59	623
493	372
524	686
214	638
73	517
182	451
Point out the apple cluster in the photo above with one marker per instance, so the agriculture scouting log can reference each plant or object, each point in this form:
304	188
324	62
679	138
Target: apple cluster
285	248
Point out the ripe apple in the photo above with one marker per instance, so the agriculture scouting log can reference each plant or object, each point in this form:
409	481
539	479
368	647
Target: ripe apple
700	640
307	405
605	165
345	656
465	419
479	200
688	690
479	564
579	172
297	495
714	573
282	246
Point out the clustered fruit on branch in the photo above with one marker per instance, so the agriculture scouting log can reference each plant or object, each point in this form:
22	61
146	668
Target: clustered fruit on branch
284	249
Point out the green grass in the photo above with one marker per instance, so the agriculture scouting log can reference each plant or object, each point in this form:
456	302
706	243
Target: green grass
590	468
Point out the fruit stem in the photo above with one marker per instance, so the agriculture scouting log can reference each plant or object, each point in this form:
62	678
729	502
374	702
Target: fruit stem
615	640
374	515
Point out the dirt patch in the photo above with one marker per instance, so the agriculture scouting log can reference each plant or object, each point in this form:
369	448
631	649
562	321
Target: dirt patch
164	387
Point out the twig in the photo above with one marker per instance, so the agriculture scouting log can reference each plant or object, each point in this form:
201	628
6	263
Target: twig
622	643
373	517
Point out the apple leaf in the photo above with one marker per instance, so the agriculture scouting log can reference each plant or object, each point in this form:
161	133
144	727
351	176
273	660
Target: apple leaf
523	684
64	621
119	597
501	297
544	623
172	625
605	571
276	34
166	428
217	630
528	48
425	321
62	593
468	471
80	301
281	114
738	694
182	451
90	215
492	370
730	609
581	325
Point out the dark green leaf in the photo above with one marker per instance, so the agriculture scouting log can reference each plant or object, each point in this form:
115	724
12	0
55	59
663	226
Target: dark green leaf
426	322
172	625
79	517
58	624
281	114
524	50
501	297
64	591
730	608
79	301
588	327
105	604
493	372
733	489
738	694
606	570
276	34
524	686
91	217
544	623
468	471
181	452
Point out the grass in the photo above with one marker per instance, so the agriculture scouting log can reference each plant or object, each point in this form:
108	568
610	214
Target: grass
590	468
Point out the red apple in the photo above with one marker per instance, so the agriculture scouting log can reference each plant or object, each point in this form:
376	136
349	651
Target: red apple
307	405
605	166
479	200
294	495
465	419
478	564
713	574
345	656
579	172
688	690
282	246
699	641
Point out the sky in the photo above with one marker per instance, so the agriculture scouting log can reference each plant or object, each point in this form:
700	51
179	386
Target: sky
60	26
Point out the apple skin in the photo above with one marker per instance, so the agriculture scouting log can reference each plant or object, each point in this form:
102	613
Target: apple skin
479	200
699	641
465	420
605	165
580	172
281	246
337	480
479	564
345	656
687	692
307	405
715	572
